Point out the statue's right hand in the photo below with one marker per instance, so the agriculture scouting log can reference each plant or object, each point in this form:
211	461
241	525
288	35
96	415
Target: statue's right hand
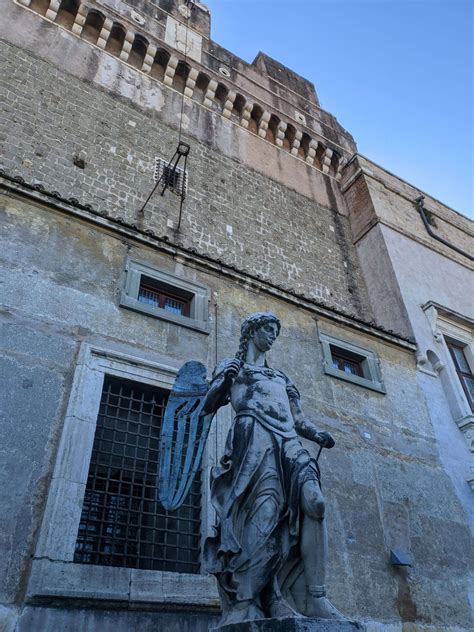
231	368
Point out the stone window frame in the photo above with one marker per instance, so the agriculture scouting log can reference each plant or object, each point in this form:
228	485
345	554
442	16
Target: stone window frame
369	362
199	307
446	323
54	574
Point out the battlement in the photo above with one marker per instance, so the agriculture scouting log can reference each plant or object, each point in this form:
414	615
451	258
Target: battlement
169	42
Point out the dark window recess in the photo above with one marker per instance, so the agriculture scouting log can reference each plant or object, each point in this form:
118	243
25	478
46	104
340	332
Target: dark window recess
122	522
176	179
463	370
347	361
159	294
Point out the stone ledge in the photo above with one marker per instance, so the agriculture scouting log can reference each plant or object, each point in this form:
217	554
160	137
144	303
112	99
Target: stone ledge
291	624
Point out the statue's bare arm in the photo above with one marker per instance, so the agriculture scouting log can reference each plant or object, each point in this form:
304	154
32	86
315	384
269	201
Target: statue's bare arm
219	390
306	428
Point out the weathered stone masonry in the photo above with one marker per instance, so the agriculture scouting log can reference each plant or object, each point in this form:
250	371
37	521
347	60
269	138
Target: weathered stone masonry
91	93
54	117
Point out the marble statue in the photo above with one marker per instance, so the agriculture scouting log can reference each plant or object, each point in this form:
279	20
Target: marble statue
266	490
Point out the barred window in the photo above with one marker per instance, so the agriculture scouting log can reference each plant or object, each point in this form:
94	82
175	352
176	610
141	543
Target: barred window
159	294
348	363
122	521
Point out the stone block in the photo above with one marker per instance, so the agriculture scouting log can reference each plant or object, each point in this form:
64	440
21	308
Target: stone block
79	581
166	587
291	624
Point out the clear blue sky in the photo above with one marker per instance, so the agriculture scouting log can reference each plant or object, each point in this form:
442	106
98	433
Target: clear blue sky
397	74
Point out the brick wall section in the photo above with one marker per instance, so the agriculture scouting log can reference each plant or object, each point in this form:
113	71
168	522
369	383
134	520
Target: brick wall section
277	233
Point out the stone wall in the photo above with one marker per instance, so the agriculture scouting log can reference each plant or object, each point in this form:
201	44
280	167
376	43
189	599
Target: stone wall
232	213
384	483
263	227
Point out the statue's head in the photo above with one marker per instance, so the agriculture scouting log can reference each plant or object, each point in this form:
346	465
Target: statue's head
250	326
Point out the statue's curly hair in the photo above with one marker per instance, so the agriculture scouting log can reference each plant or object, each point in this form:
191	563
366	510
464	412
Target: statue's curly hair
249	326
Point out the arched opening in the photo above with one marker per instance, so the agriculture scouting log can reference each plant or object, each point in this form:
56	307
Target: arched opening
159	64
304	146
255	116
201	87
40	6
67	13
180	76
272	130
318	159
138	51
93	26
238	107
116	39
335	159
289	137
221	96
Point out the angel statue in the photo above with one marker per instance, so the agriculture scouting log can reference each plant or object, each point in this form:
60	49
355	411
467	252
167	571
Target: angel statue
269	549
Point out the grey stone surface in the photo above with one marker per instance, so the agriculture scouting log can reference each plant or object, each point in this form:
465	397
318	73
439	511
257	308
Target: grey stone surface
397	474
34	619
118	177
303	624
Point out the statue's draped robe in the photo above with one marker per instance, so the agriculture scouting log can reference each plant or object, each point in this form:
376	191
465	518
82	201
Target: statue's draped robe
257	487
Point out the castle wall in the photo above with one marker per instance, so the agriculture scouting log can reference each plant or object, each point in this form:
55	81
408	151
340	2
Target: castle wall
64	290
268	224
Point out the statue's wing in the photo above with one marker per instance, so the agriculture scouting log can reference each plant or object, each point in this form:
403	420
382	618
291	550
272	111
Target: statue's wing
183	435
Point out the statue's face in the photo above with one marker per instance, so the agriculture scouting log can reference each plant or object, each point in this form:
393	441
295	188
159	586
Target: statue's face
265	336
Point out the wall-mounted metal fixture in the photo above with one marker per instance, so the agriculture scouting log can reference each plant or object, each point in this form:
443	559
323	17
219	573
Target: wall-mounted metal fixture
399	557
420	205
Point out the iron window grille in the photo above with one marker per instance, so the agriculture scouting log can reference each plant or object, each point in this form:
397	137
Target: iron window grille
122	521
176	178
464	371
159	294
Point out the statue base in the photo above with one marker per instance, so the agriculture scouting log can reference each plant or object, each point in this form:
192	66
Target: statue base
291	624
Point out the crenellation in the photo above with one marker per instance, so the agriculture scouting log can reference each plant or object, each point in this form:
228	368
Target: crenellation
135	49
126	46
170	70
149	58
229	104
52	10
263	124
210	93
80	20
295	146
246	114
312	149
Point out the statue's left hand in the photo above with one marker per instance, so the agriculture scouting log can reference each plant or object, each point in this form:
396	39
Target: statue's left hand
325	440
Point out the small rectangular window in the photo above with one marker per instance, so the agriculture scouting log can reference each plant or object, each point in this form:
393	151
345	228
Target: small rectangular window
163	295
464	371
347	362
352	363
122	521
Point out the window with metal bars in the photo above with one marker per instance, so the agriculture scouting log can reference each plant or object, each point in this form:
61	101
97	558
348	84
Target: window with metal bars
122	521
161	295
463	369
351	365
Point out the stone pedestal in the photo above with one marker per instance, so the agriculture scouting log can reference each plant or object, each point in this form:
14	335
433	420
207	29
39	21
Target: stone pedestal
291	624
